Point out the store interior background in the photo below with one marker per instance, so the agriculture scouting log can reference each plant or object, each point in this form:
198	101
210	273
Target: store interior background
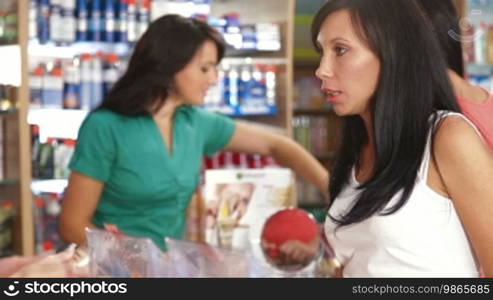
44	67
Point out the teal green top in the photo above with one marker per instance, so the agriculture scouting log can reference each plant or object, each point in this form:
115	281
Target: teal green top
147	189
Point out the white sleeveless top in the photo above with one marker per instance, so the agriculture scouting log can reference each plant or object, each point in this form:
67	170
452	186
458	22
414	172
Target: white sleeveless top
424	238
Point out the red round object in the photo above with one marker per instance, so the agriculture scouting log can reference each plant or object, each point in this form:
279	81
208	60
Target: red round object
289	224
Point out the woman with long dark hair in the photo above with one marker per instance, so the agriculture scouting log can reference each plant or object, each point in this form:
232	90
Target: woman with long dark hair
410	190
138	156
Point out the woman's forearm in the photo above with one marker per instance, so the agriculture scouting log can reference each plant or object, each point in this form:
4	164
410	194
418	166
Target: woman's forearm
74	233
290	154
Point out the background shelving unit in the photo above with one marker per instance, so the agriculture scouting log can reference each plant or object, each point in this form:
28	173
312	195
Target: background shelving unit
477	45
64	123
15	187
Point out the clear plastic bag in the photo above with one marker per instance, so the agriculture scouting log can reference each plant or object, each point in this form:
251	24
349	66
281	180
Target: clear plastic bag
118	255
190	259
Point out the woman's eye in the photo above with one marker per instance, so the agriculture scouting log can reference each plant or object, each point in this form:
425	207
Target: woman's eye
340	50
204	69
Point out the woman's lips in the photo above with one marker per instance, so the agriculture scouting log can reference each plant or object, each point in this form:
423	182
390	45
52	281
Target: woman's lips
332	95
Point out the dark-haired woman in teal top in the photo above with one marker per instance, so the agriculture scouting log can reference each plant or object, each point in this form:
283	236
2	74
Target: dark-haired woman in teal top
138	155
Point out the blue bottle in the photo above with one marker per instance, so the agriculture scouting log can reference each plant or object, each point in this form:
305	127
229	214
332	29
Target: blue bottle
95	22
82	15
96	80
122	21
44	21
71	87
53	87
85	81
36	86
109	21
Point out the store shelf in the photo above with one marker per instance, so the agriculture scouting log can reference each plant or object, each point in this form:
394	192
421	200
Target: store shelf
57	123
479	69
230	52
54	51
255	60
243	111
10	59
8	112
8	182
50	120
56	186
62	123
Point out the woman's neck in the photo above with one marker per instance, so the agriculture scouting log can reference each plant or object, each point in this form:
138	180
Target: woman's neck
168	109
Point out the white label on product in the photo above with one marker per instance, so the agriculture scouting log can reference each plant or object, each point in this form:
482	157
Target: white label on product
82	25
111	75
109	25
68	29
35	82
69	4
53	83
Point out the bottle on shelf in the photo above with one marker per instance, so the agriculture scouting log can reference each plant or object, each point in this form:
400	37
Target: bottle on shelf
258	93
95	21
45	160
245	84
44	21
56	21
111	72
109	21
233	82
270	84
33	19
121	21
481	42
52	95
61	158
132	29
85	81
144	17
69	20
35	149
36	86
71	86
6	102
96	80
82	21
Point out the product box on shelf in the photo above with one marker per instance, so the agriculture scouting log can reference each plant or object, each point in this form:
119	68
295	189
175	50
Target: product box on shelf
237	203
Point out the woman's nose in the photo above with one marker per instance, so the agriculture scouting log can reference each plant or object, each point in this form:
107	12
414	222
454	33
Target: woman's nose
324	70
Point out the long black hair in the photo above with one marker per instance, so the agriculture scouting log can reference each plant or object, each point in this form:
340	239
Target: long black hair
445	20
412	87
166	47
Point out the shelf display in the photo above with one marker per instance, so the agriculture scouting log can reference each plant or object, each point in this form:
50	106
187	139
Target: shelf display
478	42
62	73
239	201
11	179
68	53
